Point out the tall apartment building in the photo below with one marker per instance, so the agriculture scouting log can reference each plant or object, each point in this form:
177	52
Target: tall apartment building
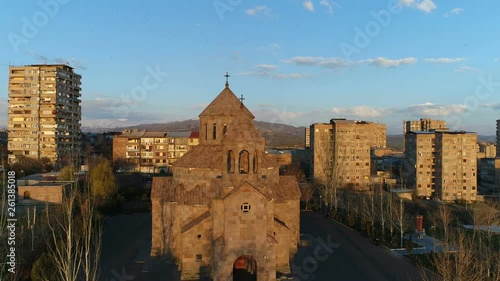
498	138
44	112
151	152
443	164
420	153
307	143
486	150
341	151
424	124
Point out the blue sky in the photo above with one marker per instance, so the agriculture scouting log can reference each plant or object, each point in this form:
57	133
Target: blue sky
296	62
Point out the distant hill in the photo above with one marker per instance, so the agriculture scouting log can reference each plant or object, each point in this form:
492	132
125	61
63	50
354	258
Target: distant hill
276	135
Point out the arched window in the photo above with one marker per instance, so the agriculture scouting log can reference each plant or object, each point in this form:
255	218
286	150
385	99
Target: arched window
224	131
27	195
206	131
255	163
244	162
214	131
230	162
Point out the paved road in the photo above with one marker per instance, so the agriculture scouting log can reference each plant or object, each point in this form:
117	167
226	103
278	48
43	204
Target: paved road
331	252
349	255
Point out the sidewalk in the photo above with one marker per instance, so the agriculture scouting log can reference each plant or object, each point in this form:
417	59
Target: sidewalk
426	244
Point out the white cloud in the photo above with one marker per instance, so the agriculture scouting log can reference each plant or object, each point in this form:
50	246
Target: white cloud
434	110
386	63
423	5
272	48
358	111
444	60
317	61
270	74
267	66
466	68
329	5
455	11
260	10
276	116
308	4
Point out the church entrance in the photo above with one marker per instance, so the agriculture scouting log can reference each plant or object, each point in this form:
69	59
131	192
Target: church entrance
245	269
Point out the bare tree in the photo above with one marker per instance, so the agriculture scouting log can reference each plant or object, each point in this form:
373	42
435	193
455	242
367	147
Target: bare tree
64	240
458	261
91	237
400	217
485	216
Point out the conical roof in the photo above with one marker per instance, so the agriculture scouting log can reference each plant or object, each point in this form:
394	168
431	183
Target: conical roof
242	129
226	103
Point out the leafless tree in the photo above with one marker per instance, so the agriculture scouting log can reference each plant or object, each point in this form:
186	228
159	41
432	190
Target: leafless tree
91	233
64	240
400	217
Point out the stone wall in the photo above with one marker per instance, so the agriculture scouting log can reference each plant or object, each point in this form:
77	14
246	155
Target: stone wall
48	194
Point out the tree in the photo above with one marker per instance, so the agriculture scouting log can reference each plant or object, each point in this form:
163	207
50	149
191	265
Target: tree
43	269
306	193
400	217
102	180
64	239
68	173
74	237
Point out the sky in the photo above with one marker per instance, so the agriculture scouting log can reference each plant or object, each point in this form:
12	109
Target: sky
296	62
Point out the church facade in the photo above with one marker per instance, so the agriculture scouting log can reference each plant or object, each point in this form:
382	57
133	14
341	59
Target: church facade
226	212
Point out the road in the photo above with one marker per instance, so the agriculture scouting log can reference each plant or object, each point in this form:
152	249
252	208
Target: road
331	252
350	256
125	251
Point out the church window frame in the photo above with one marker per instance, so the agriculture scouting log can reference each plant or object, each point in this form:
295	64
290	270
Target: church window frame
230	162
245	207
244	162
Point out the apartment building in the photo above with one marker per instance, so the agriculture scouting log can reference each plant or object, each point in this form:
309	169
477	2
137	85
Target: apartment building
44	112
420	153
486	150
442	164
341	151
424	124
498	139
152	152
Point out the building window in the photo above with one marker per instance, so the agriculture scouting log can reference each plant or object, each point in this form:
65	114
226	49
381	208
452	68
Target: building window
199	257
206	131
245	207
255	163
214	131
224	130
230	162
244	162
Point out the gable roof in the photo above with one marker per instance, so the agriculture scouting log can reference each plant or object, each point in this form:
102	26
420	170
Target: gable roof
242	129
226	103
201	156
196	196
194	222
288	188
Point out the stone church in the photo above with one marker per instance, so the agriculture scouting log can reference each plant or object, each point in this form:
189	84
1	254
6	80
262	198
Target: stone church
226	213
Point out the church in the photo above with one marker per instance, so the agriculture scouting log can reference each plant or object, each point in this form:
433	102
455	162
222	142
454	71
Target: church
226	213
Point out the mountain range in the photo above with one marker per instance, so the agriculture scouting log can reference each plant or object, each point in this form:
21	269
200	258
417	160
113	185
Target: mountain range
276	135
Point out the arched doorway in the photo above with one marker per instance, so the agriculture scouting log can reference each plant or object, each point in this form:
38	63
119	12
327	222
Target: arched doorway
27	195
245	269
